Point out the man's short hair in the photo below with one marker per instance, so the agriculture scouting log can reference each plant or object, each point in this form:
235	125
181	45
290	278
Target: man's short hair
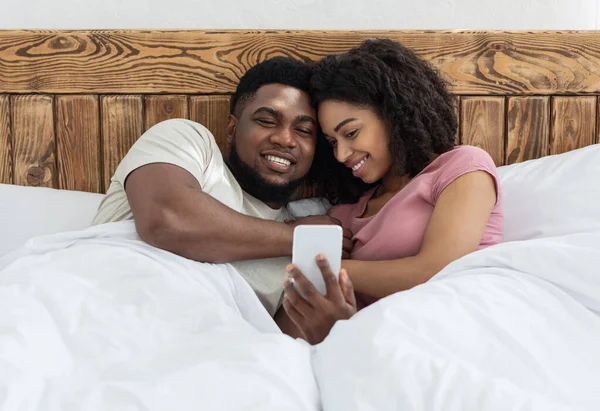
276	70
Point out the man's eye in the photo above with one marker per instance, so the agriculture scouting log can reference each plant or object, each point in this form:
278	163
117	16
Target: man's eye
266	122
305	131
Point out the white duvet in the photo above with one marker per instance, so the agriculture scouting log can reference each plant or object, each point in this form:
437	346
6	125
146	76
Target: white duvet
512	327
98	320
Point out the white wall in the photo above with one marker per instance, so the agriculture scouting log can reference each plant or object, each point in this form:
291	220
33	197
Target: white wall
301	14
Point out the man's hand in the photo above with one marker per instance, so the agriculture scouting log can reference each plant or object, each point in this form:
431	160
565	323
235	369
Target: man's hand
347	243
316	314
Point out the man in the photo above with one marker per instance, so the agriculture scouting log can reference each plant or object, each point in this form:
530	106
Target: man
185	198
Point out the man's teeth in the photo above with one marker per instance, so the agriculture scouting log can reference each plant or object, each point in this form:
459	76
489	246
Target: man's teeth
359	165
279	160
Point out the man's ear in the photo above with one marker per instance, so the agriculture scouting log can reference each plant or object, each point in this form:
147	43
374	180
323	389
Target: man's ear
232	123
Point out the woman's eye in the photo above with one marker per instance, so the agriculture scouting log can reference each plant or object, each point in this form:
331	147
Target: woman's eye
332	143
351	134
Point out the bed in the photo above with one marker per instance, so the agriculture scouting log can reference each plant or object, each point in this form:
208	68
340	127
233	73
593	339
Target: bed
93	318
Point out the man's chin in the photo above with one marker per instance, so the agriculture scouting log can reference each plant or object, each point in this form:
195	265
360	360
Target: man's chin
276	180
261	182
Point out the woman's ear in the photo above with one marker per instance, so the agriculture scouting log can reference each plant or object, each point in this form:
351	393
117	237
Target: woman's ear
232	123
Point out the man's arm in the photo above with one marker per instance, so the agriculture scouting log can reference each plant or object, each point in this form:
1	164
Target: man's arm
171	212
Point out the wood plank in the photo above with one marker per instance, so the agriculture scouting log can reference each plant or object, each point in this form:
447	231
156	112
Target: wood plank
457	113
6	161
211	62
573	123
122	124
212	112
598	120
528	130
160	108
482	124
78	141
32	122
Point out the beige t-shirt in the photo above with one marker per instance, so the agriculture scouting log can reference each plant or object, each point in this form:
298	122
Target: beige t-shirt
192	147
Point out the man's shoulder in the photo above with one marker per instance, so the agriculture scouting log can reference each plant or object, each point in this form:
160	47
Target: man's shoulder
181	139
179	127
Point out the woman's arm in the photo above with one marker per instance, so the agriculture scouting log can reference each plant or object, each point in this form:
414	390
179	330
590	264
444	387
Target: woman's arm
455	229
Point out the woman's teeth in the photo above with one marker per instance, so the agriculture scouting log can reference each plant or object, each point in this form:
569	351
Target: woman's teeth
359	165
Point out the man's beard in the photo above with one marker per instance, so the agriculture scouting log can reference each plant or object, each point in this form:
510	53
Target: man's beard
253	183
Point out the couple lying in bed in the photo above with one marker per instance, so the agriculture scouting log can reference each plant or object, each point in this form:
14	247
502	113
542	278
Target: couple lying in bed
374	128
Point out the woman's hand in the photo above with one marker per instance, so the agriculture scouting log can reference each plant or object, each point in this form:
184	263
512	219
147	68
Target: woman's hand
315	314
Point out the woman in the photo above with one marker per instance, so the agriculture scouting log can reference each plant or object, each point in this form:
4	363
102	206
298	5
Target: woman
413	200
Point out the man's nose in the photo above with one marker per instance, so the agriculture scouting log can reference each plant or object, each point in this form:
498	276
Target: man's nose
285	138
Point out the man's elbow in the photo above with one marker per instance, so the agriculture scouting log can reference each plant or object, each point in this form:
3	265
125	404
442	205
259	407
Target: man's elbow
166	230
159	229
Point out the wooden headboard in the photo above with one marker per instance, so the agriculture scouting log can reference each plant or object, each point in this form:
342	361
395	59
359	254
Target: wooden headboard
73	102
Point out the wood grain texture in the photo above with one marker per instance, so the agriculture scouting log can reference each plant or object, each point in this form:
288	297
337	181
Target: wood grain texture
457	113
211	62
597	141
160	108
212	112
122	124
33	139
573	123
78	143
482	124
5	142
528	130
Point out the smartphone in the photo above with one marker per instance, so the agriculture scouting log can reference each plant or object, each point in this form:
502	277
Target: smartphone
312	240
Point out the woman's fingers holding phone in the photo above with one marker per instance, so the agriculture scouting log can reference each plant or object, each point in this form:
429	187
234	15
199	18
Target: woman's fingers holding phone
346	248
347	243
347	233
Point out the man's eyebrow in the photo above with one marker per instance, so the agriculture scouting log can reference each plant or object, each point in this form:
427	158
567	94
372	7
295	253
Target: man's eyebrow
269	110
303	118
278	114
342	124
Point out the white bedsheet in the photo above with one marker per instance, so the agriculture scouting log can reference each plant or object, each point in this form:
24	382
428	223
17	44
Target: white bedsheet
512	327
98	320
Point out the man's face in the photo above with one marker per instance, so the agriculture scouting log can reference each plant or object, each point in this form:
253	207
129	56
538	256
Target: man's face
274	138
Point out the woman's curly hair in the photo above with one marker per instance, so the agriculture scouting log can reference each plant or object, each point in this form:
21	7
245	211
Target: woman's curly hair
404	90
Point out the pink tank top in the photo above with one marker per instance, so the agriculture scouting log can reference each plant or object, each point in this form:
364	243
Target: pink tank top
397	230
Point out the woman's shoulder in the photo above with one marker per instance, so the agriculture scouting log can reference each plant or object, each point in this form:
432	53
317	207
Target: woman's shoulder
466	153
459	161
462	158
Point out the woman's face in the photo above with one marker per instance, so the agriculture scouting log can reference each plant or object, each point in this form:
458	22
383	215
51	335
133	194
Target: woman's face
359	139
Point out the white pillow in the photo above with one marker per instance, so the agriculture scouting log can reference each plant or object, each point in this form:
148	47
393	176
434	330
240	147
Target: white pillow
552	196
27	212
308	206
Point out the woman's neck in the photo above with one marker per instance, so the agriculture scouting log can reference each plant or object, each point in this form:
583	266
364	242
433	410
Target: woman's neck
392	184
